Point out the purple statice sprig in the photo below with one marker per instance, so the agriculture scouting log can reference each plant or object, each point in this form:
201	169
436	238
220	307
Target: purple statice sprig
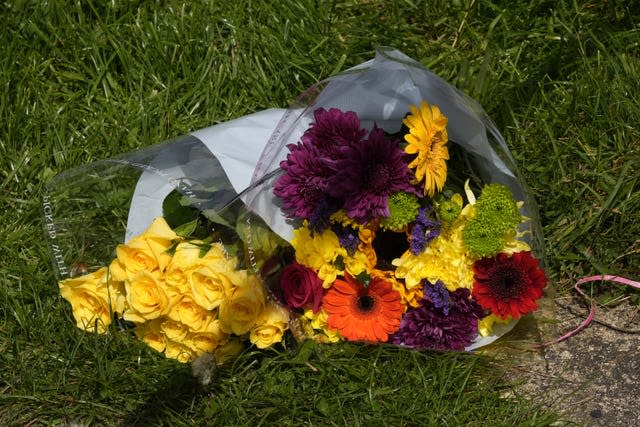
321	217
439	296
348	238
424	230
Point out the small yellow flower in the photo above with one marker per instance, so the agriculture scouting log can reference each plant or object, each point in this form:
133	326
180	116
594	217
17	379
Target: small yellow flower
201	343
186	255
409	297
513	245
175	331
270	326
427	138
317	328
89	296
340	217
485	325
320	252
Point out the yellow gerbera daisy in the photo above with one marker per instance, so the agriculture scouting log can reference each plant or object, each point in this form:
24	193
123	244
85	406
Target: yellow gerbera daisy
427	138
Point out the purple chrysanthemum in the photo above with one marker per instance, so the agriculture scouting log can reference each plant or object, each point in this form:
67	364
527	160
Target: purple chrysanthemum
332	130
303	186
367	173
424	231
427	327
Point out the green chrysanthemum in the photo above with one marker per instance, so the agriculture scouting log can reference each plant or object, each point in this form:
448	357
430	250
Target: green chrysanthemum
448	210
403	209
497	207
482	239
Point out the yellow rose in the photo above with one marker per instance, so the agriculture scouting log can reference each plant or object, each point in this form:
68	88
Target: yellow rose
241	310
146	252
270	326
146	297
151	334
175	331
202	343
190	313
211	278
117	296
186	255
89	298
179	352
228	351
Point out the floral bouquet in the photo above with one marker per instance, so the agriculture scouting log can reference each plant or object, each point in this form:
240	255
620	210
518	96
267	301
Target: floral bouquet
384	252
384	207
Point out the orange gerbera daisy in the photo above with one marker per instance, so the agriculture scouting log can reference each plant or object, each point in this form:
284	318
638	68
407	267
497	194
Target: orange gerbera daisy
427	139
362	313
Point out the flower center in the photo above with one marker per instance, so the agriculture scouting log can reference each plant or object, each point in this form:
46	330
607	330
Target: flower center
311	189
508	283
365	303
377	177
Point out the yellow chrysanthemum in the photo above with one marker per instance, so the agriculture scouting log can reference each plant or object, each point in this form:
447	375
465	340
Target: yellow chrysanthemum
321	251
513	245
427	138
409	297
446	259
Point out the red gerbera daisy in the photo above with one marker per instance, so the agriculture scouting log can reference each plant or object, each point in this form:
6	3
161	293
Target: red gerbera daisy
508	285
363	314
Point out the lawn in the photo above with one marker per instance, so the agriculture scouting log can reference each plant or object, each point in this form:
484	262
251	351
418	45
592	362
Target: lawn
83	81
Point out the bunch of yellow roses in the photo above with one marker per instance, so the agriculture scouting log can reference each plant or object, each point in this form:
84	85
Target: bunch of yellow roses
185	297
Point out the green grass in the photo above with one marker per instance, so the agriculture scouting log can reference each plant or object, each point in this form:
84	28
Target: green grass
82	81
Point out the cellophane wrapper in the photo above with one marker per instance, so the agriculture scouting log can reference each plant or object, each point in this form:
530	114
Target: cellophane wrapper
92	212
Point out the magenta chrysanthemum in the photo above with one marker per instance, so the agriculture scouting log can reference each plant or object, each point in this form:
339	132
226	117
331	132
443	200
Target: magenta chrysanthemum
367	174
303	186
332	130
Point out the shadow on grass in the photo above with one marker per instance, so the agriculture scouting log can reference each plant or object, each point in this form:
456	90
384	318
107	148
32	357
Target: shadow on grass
172	399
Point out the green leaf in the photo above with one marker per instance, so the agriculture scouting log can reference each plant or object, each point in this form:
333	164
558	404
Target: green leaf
187	229
175	213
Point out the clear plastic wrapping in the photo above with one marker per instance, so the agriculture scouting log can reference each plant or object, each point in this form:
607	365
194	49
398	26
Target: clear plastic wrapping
194	226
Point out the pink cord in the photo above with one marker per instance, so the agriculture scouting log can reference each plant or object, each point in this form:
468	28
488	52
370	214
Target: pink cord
592	311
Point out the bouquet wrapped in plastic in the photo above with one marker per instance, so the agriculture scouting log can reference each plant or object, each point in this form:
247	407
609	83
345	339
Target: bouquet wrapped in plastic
384	208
